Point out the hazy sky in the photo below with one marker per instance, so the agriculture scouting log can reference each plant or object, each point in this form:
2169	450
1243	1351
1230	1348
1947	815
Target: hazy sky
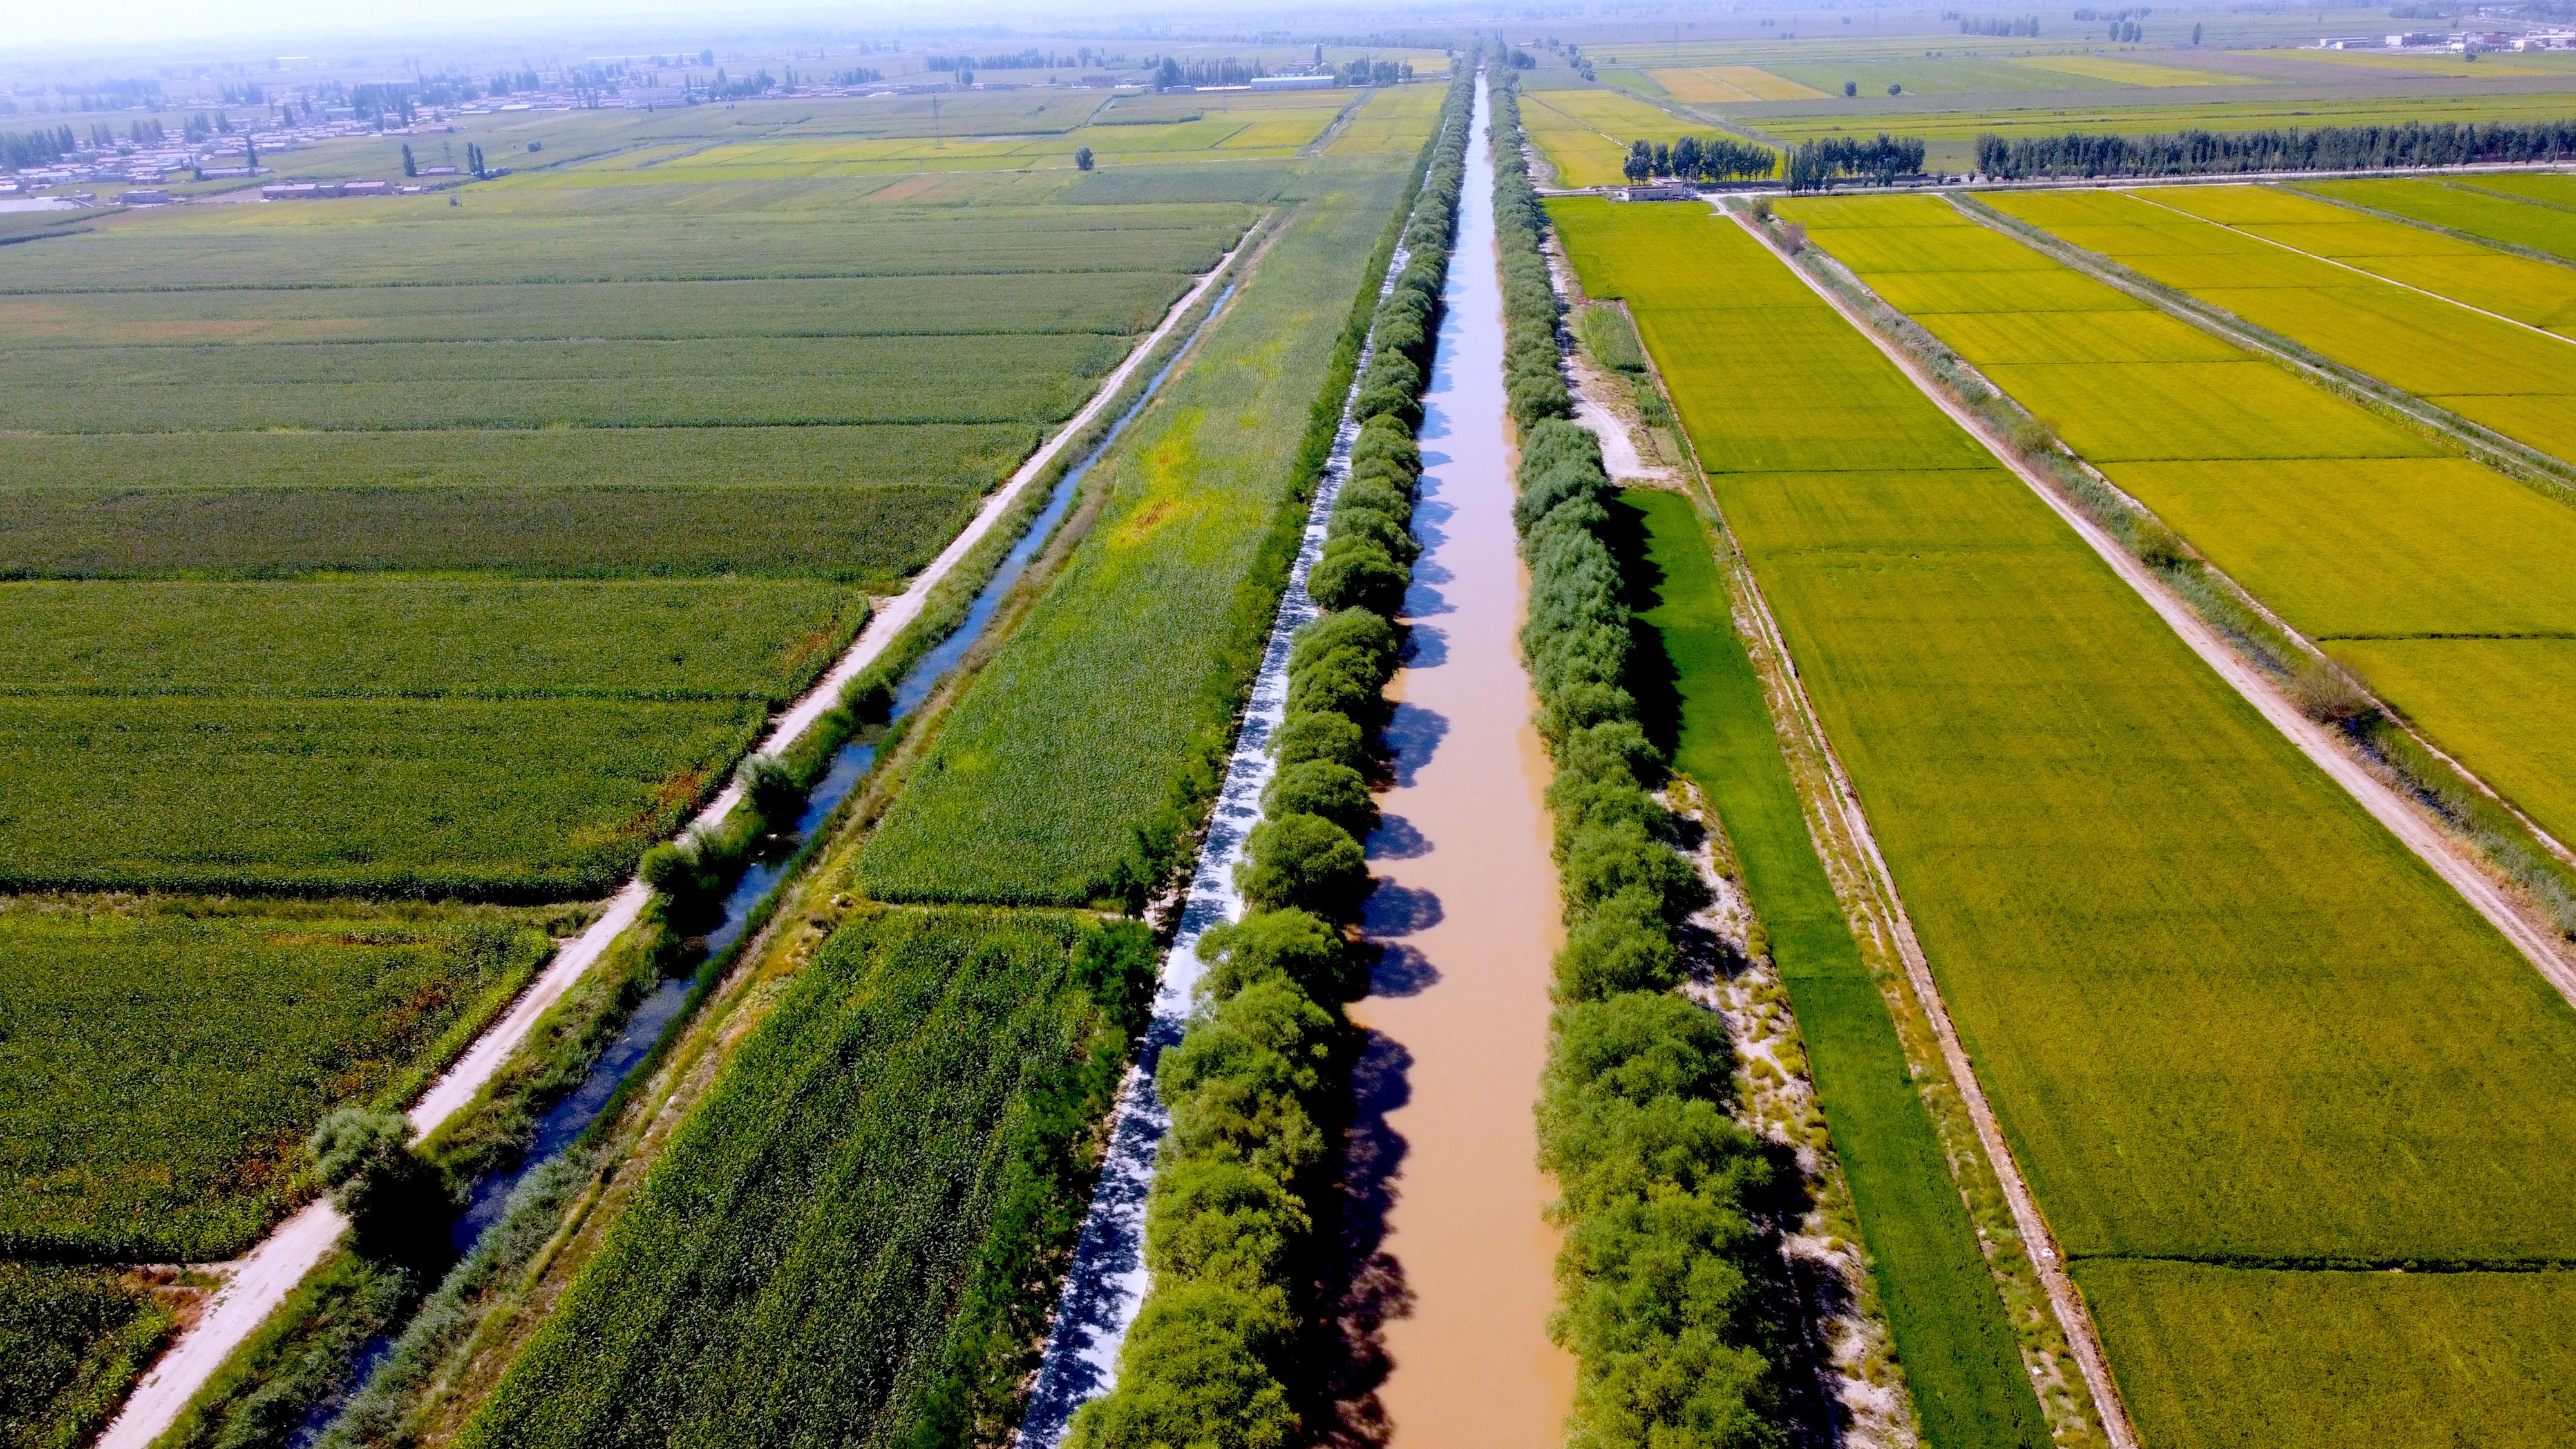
153	24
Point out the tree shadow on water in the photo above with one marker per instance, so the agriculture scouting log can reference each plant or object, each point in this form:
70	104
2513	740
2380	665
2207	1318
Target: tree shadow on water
1651	675
1361	1288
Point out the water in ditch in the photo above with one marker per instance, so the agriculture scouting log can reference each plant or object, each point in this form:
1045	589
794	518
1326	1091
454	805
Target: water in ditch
563	1124
1451	1259
1105	1285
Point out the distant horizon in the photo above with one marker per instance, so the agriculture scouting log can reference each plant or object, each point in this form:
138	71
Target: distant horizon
158	25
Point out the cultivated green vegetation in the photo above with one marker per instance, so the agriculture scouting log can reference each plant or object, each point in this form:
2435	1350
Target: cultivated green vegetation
456	547
851	1235
1951	1333
2224	1019
74	1336
2506	209
162	1066
2355	530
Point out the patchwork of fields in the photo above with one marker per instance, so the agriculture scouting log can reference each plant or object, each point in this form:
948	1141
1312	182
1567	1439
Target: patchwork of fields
1584	134
1160	129
2438	580
2226	1021
450	552
2308	270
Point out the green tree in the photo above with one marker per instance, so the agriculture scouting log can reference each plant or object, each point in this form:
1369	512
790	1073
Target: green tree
1851	88
396	1200
1081	158
410	166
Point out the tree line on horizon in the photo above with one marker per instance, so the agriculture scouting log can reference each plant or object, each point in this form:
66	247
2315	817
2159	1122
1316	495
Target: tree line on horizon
2321	148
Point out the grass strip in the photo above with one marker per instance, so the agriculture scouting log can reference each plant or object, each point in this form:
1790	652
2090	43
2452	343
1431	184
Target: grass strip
1952	1337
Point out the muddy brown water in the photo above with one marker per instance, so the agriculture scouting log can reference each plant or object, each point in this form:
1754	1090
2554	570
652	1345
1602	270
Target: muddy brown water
1447	1199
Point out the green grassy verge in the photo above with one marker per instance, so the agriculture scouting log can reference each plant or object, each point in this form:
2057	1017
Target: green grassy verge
1952	1336
848	1235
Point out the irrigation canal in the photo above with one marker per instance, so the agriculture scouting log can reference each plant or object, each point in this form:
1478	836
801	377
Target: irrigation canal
1466	914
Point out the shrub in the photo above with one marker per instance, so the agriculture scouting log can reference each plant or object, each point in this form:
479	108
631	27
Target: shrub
774	793
2329	696
1304	863
1336	793
1293	944
1195	1372
1319	735
1359	575
2156	545
395	1198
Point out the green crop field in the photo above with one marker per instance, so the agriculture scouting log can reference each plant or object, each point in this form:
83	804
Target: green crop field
2308	284
792	1268
2497	703
1584	134
73	1337
2472	204
782	390
481	738
1123	676
159	1071
2222	1016
2234	1356
1943	1308
2330	514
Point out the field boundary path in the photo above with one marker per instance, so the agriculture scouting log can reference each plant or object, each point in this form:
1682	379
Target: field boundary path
2515	459
2419	834
255	1284
2072	1316
2349	267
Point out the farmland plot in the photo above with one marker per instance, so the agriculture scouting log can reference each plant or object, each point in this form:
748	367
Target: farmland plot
162	1069
822	1250
2224	1019
2354	529
2256	252
1584	134
2478	205
1952	1336
485	739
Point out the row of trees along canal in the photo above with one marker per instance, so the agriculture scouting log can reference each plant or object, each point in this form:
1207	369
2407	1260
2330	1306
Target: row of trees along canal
1245	1180
1662	1264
